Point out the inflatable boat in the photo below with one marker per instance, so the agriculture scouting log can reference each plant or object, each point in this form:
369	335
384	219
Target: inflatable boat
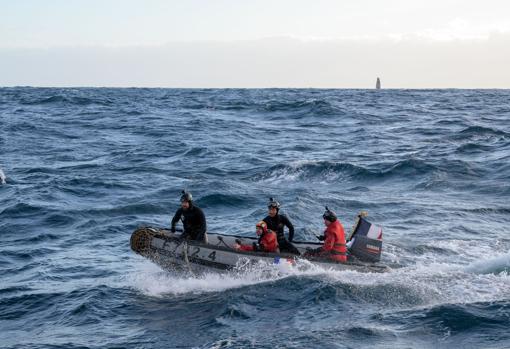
173	253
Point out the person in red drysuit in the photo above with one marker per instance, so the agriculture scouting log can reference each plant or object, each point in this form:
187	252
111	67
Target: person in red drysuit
334	240
267	240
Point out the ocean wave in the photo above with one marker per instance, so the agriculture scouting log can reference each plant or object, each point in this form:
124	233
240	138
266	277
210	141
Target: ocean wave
38	238
482	131
453	319
226	200
196	151
324	170
39	170
470	148
17	255
47	100
310	107
234	312
134	209
488	210
19	210
494	265
431	250
93	185
18	306
236	105
14	290
333	171
374	333
58	220
67	100
15	127
409	167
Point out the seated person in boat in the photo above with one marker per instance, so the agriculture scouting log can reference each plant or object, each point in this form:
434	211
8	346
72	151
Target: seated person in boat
193	219
267	240
334	240
277	222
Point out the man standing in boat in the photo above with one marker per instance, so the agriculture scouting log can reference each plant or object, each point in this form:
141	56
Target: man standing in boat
276	222
193	219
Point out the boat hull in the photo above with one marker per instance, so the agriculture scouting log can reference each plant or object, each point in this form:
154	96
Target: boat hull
170	252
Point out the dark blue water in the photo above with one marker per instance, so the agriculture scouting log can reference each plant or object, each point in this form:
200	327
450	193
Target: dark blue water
84	167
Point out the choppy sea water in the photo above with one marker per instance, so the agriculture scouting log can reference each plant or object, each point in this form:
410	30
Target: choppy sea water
82	168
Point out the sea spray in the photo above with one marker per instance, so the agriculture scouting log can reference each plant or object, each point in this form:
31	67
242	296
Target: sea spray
494	265
428	284
150	279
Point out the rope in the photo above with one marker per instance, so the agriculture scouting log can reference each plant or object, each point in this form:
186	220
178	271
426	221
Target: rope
185	256
185	253
220	239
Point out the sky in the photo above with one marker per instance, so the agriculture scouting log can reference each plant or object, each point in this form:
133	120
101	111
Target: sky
257	43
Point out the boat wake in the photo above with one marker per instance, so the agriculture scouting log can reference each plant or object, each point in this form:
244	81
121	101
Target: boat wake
499	264
151	280
422	285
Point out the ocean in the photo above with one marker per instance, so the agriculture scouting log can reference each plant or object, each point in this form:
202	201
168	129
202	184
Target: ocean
82	168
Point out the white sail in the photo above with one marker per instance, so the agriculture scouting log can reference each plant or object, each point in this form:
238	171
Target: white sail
2	177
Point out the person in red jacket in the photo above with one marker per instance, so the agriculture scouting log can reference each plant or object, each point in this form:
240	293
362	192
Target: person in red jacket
267	240
334	239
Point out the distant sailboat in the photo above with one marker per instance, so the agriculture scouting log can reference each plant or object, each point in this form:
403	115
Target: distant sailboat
378	84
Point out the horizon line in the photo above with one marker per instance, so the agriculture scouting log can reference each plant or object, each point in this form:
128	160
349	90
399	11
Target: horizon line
257	88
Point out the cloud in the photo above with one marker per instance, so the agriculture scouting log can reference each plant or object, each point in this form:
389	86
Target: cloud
409	62
463	29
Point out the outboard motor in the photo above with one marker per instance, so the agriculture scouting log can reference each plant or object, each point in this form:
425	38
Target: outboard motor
366	241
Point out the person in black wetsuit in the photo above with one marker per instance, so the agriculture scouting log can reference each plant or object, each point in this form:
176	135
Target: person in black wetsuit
193	219
276	222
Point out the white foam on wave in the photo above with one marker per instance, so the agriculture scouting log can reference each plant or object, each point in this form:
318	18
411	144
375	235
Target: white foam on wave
425	284
283	175
291	171
151	280
297	170
2	177
499	264
436	283
465	248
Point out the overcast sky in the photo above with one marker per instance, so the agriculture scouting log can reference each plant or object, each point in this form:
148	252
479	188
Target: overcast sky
278	43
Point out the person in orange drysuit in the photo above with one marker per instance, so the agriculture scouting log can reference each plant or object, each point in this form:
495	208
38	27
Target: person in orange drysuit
334	239
267	240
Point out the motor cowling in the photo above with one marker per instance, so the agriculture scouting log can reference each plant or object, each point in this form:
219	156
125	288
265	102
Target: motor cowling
366	241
